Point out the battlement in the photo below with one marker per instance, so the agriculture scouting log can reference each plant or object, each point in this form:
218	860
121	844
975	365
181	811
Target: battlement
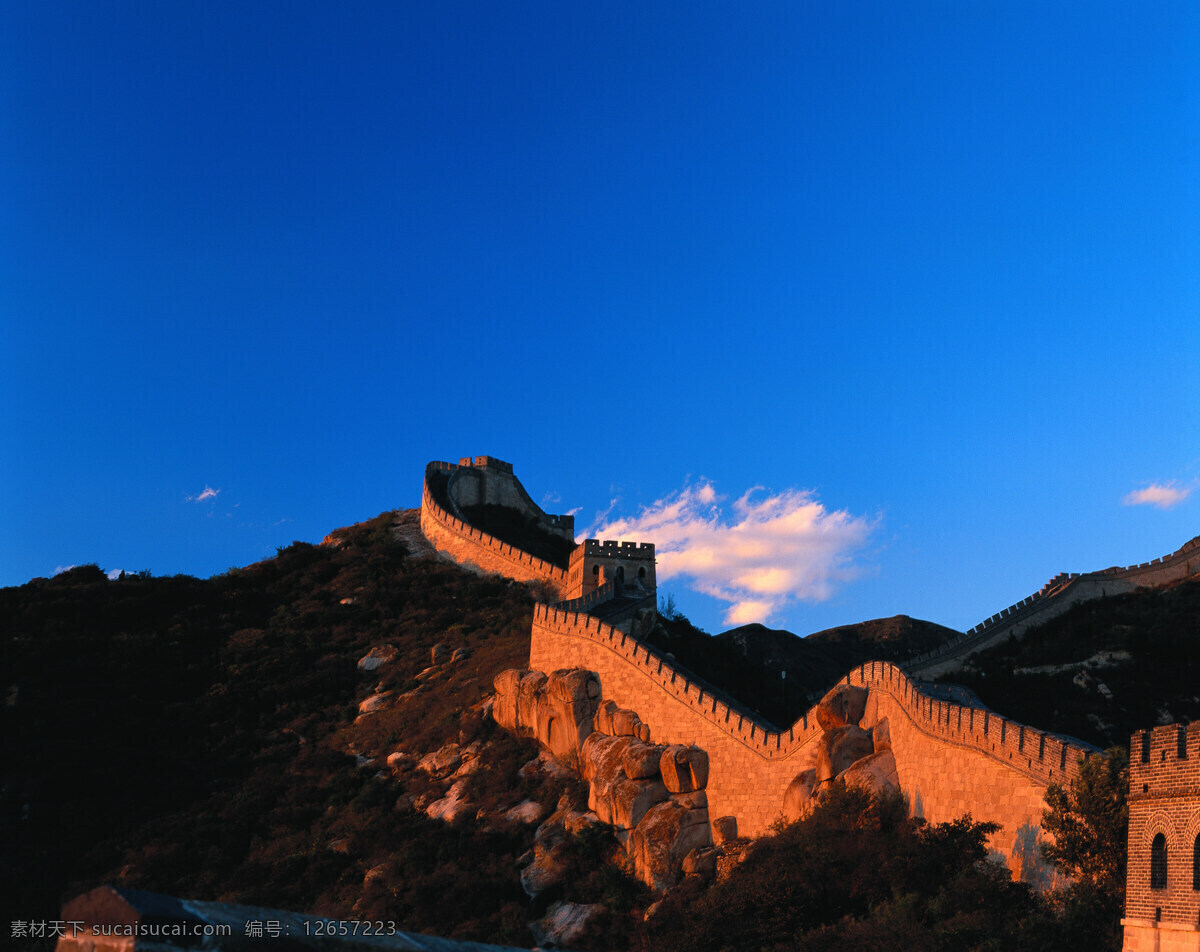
1055	597
487	462
613	549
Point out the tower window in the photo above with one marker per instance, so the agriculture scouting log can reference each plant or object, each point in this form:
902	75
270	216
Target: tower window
1158	862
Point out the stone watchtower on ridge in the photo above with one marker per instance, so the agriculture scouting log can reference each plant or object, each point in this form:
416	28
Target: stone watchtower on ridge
1162	885
625	564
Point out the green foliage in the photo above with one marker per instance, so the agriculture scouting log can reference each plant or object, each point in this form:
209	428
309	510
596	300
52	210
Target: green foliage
1090	823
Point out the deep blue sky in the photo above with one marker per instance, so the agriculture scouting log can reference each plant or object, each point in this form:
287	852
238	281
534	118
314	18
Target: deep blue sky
934	263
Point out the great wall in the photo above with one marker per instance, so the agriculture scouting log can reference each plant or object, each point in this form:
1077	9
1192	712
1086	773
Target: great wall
951	758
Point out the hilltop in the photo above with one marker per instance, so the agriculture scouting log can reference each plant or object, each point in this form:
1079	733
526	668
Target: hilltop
310	731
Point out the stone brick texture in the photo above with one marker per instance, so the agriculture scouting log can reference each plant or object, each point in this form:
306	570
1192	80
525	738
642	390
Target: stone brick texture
1164	797
950	759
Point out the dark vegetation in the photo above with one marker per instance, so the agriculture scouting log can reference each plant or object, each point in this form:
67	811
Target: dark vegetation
1156	682
195	737
861	874
198	738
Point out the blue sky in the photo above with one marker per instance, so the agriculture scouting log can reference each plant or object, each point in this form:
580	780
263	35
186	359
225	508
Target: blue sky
921	278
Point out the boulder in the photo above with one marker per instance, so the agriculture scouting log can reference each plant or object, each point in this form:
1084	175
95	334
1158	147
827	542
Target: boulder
642	760
564	923
876	773
628	801
527	811
453	804
444	759
602	758
627	723
799	797
881	736
460	654
529	693
667	833
377	656
439	654
702	861
842	706
566	712
839	748
683	768
376	702
604	716
724	830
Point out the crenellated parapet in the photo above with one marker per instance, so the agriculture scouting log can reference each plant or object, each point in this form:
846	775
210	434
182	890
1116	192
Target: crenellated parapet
951	758
451	535
1057	596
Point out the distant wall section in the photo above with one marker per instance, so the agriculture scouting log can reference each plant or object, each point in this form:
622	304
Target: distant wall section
465	544
1054	598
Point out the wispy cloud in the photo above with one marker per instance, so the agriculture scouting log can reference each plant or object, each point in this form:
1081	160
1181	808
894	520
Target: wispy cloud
771	551
208	493
1160	495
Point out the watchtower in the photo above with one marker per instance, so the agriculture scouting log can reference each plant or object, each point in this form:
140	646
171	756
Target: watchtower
593	563
1162	886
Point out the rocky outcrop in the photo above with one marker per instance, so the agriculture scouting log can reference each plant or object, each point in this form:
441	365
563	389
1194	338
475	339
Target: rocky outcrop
847	751
651	794
559	710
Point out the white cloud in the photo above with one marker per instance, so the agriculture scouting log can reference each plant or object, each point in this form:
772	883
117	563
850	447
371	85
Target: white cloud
59	569
1161	495
114	574
208	493
773	550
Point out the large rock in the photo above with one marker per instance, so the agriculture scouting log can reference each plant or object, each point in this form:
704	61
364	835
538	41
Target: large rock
529	694
627	723
683	768
842	706
377	656
442	761
881	736
668	832
839	748
566	714
799	797
724	830
453	804
876	773
629	800
375	703
504	707
642	760
564	923
602	758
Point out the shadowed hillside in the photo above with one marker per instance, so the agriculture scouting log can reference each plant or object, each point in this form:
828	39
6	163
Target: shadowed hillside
1101	670
748	662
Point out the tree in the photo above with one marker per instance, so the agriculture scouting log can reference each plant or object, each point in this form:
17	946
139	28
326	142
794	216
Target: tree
1090	823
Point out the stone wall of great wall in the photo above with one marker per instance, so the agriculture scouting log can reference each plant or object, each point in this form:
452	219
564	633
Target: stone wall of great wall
467	545
951	759
1053	599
